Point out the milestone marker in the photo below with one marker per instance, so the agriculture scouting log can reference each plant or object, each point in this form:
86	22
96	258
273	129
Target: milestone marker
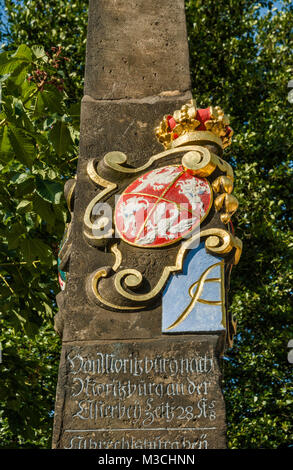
145	262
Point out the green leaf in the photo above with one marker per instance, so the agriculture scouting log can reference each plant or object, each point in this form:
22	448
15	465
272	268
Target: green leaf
48	309
6	64
20	75
46	101
39	52
53	100
24	206
42	250
6	149
4	78
20	318
44	209
35	250
50	191
9	63
19	178
74	113
14	234
22	144
61	138
23	52
24	188
28	251
31	329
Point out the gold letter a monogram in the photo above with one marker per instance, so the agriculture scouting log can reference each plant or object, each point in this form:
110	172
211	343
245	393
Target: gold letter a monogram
195	291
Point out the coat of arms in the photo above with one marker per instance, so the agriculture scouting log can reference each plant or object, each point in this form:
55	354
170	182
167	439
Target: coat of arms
155	219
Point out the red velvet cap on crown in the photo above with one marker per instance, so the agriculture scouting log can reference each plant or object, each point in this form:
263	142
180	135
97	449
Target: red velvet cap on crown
191	124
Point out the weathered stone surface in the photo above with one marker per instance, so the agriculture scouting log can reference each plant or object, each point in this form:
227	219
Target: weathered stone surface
162	393
136	48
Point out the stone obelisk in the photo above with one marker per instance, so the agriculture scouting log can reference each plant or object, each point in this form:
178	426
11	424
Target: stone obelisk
139	365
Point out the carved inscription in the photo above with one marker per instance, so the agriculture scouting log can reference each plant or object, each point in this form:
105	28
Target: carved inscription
146	400
96	397
157	442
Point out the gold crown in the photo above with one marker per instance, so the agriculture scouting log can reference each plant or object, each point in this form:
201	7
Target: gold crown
194	124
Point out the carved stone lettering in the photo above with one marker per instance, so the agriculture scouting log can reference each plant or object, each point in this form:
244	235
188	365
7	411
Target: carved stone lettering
160	394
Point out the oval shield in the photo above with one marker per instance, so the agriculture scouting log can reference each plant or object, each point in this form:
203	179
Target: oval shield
162	206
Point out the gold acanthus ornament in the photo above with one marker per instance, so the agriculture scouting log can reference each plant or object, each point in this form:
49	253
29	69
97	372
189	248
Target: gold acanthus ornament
225	202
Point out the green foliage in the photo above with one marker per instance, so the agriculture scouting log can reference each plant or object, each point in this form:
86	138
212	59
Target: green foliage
241	59
28	383
38	141
52	23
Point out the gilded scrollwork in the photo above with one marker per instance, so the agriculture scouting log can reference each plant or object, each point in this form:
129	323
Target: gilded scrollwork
193	140
92	227
219	242
197	160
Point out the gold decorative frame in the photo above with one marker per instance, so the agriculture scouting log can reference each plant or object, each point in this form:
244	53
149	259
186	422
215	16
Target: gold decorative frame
218	241
198	159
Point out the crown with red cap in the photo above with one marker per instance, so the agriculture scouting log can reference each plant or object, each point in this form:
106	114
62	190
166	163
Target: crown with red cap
190	124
